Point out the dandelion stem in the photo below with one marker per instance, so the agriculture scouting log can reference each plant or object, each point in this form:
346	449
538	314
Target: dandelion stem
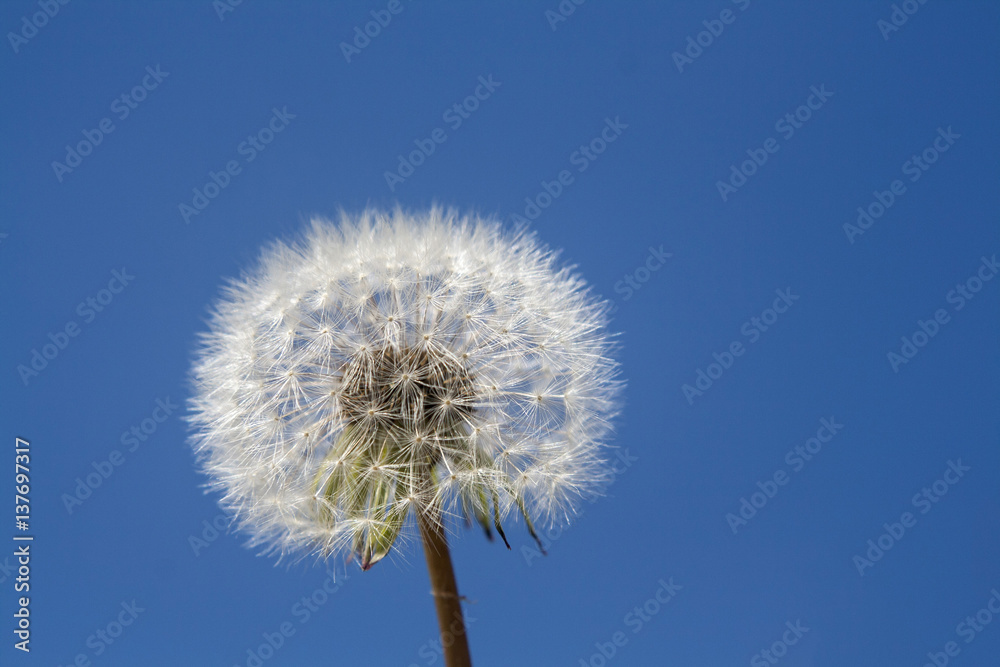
445	590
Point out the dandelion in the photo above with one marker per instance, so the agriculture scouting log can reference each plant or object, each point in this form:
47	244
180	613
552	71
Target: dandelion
398	369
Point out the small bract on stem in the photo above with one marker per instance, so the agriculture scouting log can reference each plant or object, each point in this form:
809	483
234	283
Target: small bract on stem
447	601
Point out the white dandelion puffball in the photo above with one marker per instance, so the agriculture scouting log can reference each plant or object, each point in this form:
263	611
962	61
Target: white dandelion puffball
398	362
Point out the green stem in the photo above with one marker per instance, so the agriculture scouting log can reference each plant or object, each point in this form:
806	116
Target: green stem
445	591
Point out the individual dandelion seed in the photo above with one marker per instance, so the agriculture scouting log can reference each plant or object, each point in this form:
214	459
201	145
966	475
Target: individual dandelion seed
398	369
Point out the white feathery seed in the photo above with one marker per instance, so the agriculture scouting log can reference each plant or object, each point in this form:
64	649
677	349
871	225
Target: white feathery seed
399	363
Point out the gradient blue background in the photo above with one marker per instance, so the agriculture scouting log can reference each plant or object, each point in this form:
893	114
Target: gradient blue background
656	185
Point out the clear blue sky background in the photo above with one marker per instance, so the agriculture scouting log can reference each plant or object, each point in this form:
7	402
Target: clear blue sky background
665	517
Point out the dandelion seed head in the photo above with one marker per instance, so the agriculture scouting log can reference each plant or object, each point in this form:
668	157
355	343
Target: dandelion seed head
399	363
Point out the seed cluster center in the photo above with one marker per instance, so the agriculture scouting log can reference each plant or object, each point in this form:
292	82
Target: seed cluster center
406	391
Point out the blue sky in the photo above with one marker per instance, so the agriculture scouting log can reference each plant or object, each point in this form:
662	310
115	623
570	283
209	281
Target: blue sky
793	205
